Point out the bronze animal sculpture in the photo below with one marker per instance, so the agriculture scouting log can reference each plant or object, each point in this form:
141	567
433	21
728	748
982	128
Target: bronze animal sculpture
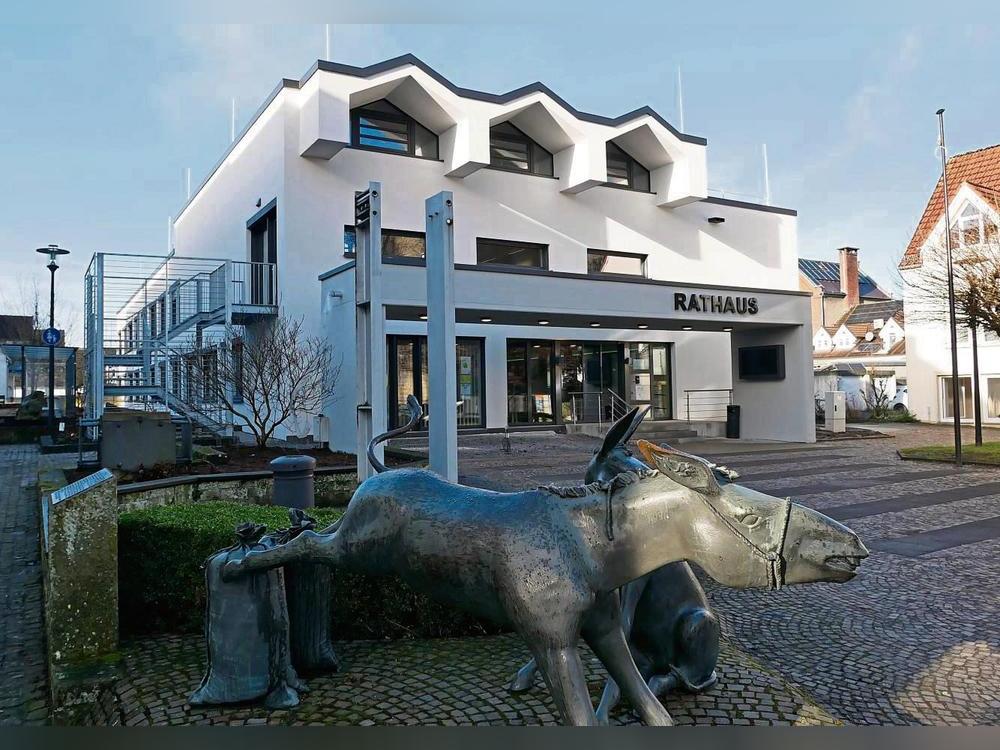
672	632
551	569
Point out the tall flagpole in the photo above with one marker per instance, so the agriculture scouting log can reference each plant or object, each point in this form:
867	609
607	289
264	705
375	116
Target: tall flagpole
956	408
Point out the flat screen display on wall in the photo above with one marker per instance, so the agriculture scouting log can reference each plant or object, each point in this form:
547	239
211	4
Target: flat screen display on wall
762	362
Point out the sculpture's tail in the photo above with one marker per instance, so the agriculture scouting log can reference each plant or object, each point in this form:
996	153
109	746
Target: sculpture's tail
416	414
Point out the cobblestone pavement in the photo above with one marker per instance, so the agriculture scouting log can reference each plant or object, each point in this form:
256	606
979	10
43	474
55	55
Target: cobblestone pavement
460	681
23	692
915	638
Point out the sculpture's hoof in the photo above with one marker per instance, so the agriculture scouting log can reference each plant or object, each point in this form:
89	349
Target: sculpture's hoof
521	684
282	696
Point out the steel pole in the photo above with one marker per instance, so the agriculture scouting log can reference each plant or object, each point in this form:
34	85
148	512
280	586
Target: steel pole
953	329
52	352
977	408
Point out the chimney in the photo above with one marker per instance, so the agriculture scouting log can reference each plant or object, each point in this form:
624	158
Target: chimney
849	275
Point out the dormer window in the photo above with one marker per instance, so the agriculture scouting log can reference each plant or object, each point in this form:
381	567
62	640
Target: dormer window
969	226
511	148
624	171
383	126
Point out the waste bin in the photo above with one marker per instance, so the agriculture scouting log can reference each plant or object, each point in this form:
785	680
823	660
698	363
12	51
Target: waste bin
733	421
293	481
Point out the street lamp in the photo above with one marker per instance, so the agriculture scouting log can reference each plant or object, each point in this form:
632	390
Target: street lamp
51	336
956	408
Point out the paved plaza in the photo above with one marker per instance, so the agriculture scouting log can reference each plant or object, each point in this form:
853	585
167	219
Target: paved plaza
914	639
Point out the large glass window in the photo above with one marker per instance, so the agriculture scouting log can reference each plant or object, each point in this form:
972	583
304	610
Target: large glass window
507	253
605	261
624	171
385	127
964	397
529	382
396	243
511	148
408	374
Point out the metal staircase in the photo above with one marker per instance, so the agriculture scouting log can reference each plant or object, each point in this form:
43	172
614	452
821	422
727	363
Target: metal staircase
147	316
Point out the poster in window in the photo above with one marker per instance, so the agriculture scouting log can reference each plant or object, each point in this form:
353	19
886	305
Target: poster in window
465	365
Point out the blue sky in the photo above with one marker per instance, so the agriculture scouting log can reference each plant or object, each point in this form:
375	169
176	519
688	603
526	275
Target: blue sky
100	121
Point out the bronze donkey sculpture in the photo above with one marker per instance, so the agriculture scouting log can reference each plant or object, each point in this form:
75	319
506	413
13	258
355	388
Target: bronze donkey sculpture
672	632
548	562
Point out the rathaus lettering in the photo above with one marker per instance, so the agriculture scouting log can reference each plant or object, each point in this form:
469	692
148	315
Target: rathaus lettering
715	303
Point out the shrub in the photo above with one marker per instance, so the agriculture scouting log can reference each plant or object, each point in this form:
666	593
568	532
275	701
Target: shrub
161	551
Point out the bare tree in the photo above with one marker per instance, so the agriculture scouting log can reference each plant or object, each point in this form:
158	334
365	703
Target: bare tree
264	377
875	394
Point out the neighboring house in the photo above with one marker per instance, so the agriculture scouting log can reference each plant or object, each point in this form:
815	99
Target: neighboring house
858	331
973	193
837	287
867	349
592	269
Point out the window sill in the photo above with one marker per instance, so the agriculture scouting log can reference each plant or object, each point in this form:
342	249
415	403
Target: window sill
371	149
627	188
520	172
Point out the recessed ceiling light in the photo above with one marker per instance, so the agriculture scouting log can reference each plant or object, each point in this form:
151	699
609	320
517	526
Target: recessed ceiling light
486	320
643	326
536	346
543	322
727	330
595	324
423	317
686	328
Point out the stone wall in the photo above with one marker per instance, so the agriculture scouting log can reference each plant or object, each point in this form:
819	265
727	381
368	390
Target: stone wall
333	488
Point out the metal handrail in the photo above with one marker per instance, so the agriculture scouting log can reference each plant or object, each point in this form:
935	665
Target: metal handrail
619	406
707	403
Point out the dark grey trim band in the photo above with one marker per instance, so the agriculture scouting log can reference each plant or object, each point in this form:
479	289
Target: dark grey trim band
262	212
751	206
531	88
334	271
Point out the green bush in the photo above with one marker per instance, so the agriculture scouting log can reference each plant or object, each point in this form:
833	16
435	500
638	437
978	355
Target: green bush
162	585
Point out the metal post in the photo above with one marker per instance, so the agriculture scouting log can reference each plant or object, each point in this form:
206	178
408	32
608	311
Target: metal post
443	426
52	353
372	393
978	407
955	406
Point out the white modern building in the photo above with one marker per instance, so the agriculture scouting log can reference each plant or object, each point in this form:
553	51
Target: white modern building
592	270
973	202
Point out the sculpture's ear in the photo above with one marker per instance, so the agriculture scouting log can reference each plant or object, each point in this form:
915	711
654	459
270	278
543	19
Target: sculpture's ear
640	414
683	468
618	433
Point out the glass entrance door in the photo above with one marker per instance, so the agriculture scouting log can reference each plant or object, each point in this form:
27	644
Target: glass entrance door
649	366
590	370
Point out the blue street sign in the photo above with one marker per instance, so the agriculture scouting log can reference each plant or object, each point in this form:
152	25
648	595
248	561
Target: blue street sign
51	336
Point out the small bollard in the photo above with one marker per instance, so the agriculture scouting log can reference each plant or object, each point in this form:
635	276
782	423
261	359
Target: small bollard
294	486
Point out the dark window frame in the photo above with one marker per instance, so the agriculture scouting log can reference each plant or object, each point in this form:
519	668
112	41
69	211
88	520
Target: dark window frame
399	117
643	274
631	165
530	144
350	229
420	347
543	247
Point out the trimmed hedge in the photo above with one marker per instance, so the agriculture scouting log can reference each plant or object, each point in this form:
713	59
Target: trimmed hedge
161	551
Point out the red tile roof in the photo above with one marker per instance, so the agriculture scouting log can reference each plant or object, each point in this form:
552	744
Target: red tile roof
981	169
